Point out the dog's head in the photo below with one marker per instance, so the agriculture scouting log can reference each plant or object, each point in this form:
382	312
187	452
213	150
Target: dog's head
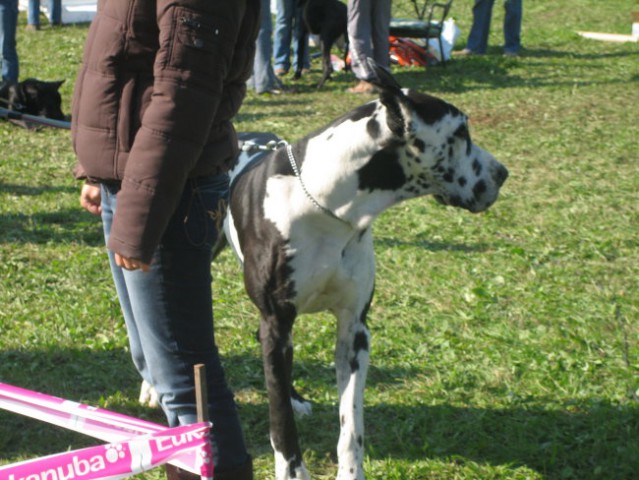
431	141
36	97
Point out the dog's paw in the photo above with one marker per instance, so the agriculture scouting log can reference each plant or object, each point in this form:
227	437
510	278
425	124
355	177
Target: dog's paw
148	395
301	406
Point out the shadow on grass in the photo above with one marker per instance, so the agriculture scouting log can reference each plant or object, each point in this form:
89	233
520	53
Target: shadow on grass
585	439
23	190
494	72
62	226
433	246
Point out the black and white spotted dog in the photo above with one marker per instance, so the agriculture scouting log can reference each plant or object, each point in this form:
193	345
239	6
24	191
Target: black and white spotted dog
300	220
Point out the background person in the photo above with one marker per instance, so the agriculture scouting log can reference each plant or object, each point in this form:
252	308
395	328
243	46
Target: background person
264	80
478	37
288	27
8	24
33	13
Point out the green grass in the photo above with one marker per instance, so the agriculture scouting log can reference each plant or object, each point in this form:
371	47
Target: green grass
505	345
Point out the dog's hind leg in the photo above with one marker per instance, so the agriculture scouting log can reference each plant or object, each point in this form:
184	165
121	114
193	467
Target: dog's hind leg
276	355
327	66
351	363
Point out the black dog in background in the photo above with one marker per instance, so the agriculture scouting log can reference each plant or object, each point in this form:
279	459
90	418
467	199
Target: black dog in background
328	19
33	97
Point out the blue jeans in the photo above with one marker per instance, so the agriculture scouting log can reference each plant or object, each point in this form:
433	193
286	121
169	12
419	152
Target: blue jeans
288	26
55	12
8	24
482	13
168	313
263	78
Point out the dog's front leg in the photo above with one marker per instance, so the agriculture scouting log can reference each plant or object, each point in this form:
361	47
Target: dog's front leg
351	363
275	339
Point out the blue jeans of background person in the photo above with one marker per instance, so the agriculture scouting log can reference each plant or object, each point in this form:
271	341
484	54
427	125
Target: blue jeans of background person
263	78
8	25
168	313
482	13
288	26
55	12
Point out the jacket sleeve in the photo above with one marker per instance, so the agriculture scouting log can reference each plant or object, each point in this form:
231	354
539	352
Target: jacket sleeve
199	76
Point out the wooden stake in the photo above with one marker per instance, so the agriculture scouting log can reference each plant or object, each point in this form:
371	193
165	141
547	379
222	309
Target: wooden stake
201	395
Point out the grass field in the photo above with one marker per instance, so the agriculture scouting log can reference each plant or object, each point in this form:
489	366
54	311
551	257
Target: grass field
505	345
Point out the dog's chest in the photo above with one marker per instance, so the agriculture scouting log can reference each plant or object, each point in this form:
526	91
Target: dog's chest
329	274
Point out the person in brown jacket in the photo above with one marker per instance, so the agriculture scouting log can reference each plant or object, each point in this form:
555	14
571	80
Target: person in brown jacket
158	87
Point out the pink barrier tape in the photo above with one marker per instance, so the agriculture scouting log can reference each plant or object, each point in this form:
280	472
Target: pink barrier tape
119	460
93	421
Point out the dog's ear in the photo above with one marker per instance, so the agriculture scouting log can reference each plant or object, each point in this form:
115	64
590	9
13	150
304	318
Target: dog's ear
391	96
56	84
383	80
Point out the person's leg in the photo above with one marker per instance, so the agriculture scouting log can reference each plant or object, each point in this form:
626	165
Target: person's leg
55	12
283	35
381	16
359	37
8	25
263	78
33	13
478	36
512	26
109	201
172	311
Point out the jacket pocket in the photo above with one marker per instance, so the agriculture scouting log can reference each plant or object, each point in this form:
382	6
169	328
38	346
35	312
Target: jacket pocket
197	42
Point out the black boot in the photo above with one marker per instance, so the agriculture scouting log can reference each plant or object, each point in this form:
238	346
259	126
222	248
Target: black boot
244	472
176	473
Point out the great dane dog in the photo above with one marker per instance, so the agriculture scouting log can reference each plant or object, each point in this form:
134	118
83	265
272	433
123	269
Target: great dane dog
300	221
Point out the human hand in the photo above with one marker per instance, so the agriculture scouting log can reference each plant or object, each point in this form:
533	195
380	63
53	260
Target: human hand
90	198
130	263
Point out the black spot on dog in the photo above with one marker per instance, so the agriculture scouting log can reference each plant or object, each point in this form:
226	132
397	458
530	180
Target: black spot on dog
373	128
419	144
429	108
360	342
461	181
382	172
479	188
477	167
354	365
363	111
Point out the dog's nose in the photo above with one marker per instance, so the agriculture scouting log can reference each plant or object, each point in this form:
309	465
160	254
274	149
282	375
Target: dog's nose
500	175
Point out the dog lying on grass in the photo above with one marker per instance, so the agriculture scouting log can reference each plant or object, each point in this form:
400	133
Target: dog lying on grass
33	97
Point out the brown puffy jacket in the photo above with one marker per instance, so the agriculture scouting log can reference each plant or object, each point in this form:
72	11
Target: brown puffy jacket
153	102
